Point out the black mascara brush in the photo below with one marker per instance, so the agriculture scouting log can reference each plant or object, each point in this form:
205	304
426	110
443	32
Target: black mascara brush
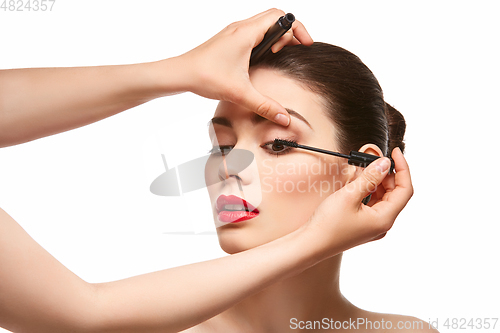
354	158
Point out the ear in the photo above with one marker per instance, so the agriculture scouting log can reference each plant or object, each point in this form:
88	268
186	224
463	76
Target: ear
353	171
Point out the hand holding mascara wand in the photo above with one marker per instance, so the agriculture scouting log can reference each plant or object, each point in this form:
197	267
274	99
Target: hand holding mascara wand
102	90
354	158
272	35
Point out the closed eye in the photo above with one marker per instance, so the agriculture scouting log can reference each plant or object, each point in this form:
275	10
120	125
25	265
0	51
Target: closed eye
270	147
220	150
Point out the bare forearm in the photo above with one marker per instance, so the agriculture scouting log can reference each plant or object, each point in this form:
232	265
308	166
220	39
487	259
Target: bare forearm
181	297
39	294
37	102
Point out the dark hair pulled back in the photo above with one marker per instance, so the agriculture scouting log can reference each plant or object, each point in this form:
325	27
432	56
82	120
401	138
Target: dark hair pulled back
352	94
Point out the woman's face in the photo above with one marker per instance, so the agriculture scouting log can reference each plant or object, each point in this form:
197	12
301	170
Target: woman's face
284	184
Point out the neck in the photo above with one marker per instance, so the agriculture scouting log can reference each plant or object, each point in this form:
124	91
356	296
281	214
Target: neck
312	295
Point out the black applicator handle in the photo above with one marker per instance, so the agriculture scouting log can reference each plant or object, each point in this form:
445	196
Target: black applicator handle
354	158
363	160
272	35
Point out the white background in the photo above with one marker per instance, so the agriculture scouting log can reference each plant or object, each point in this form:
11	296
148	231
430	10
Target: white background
84	194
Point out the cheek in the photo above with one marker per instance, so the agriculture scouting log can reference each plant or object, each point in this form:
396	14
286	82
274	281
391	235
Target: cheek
211	174
295	187
308	175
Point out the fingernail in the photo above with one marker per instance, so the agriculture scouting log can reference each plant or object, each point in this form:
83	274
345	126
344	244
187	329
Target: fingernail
282	119
383	165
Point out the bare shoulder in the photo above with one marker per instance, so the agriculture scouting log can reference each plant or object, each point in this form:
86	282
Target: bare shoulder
400	323
377	322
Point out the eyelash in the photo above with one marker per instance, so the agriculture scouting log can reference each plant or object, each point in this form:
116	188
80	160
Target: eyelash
286	149
217	150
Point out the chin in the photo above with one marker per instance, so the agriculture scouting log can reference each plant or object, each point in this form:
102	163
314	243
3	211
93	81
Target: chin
233	240
239	237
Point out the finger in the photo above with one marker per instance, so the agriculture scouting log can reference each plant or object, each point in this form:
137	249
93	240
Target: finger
397	199
263	106
387	186
379	237
270	12
382	190
389	183
256	25
377	195
403	188
264	21
402	169
300	32
269	17
368	181
286	39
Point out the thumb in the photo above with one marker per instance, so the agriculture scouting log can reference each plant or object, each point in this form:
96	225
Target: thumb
369	180
264	106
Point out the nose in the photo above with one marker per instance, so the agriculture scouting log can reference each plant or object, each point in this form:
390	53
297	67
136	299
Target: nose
234	163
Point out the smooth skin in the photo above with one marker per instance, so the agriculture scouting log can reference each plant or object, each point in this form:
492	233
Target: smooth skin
286	200
61	99
39	294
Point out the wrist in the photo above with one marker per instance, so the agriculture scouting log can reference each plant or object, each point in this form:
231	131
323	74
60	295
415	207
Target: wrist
306	248
318	246
168	76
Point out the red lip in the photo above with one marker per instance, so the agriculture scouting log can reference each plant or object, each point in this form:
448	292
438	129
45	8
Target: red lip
234	216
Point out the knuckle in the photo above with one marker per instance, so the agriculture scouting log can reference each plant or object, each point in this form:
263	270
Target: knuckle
264	109
236	28
233	27
298	24
384	226
277	11
381	236
371	182
287	37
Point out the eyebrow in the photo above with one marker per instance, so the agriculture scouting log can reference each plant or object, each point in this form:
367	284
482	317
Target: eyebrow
256	119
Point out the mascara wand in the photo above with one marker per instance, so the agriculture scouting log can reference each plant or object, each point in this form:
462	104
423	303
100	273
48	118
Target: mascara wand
354	158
